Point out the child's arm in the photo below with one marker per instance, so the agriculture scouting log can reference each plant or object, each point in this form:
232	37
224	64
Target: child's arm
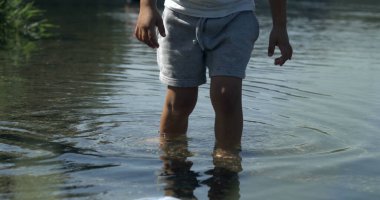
148	19
279	35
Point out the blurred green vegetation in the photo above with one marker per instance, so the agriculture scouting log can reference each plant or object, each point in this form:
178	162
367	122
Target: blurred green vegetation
19	18
21	23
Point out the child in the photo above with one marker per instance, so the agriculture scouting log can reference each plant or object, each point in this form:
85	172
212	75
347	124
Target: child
219	35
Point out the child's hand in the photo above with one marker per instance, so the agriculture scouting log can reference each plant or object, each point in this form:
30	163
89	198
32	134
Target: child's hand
279	37
145	30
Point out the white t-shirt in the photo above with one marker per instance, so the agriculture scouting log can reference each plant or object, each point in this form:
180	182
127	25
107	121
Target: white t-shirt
209	8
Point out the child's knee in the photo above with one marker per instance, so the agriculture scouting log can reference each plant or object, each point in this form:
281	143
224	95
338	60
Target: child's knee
181	103
226	100
181	107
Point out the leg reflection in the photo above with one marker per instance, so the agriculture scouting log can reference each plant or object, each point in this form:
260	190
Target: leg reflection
224	183
176	174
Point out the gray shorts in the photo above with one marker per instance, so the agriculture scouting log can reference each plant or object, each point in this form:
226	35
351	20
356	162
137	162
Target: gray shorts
192	44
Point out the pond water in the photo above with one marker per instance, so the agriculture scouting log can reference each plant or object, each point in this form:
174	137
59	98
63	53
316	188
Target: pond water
79	114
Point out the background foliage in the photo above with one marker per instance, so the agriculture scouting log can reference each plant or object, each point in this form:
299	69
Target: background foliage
21	20
21	24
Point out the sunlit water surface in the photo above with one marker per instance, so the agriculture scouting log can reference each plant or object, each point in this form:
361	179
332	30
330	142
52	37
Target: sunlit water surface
79	115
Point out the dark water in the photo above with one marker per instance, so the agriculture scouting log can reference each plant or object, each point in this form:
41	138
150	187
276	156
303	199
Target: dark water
79	114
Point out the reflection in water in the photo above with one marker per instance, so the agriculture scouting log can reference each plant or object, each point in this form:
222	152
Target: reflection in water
75	116
19	51
180	181
49	97
229	160
38	187
224	184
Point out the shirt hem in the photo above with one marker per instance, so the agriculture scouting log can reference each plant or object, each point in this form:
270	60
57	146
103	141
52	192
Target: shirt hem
209	13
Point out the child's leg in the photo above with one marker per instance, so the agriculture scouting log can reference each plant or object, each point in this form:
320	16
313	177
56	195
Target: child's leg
230	40
182	68
225	95
179	104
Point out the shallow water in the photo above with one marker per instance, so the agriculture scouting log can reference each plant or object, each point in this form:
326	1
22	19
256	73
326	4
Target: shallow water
79	114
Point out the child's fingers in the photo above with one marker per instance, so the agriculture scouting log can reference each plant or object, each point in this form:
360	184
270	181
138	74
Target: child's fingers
271	47
161	28
285	55
152	39
148	37
138	34
142	36
280	61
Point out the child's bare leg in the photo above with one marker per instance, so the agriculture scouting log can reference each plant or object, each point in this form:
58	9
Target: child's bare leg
225	95
179	104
